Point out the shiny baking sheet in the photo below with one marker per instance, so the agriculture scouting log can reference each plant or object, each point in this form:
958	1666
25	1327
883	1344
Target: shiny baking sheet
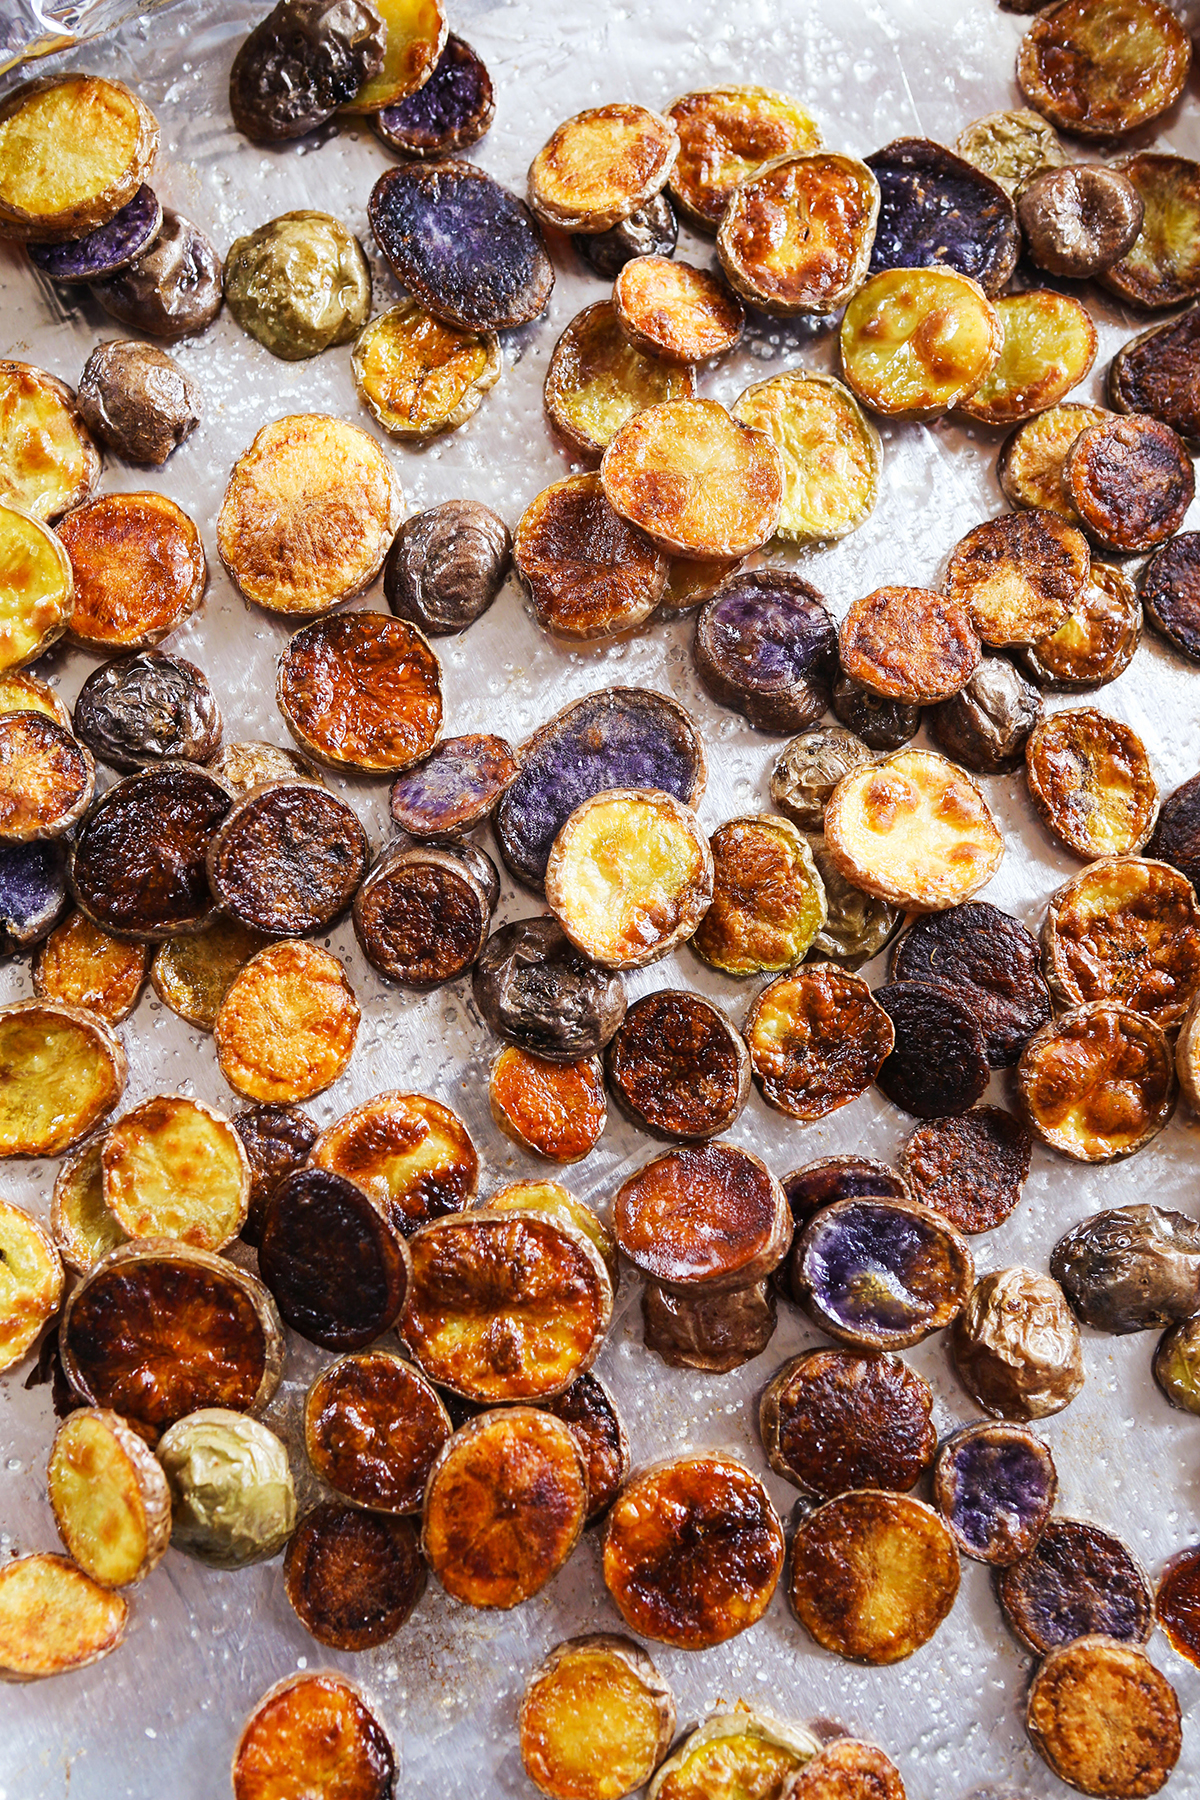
161	1716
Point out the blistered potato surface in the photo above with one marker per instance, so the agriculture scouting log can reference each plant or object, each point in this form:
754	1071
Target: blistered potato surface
448	1693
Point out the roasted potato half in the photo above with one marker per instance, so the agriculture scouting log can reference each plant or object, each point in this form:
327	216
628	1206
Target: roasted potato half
1163	268
48	462
677	1067
1091	781
1049	348
1020	576
315	1733
1127	929
914	830
1080	220
1131	481
1103	1718
288	1023
706	1217
36	587
110	1497
596	1719
412	1156
277	1140
796	237
938	211
373	1428
732	1753
1016	1345
712	1332
837	1419
193	974
766	644
137	865
31	1281
47	778
880	1273
768	900
695	480
726	135
422	914
448	113
362	691
995	1485
1096	641
1102	68
175	1168
1155	373
832	454
817	1040
415	34
552	1199
353	1577
74	149
556	1110
587	1409
916	342
602	165
1097	1083
971	1166
339	1271
1012	147
418	377
1077	1578
138	570
54	1618
232	1496
847	1767
65	1071
1175	1604
672	310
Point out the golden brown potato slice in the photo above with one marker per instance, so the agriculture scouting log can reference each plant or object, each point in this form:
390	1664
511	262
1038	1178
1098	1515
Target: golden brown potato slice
309	514
22	692
913	829
81	1225
418	376
703	1217
193	974
81	965
1049	347
1030	465
768	900
64	1071
1131	480
694	480
1096	641
505	1305
1104	1718
1097	1083
596	380
556	1110
36	587
596	1719
175	1168
313	1735
74	149
551	1198
588	573
630	875
138	568
726	134
1128	930
54	1618
411	1155
1163	268
373	1428
505	1506
47	778
916	342
847	1769
416	33
817	1040
1091	781
1019	576
363	690
602	165
31	1281
734	1754
832	454
908	644
48	462
287	1024
796	237
672	310
873	1575
110	1497
1102	68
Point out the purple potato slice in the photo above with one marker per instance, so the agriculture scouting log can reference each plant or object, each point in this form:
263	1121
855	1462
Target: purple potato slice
300	63
456	788
171	289
990	961
1176	837
832	1178
1134	1268
109	248
651	231
995	1485
1077	1579
33	893
148	708
881	1274
288	859
535	990
939	1064
469	251
1170	590
338	1271
937	210
453	110
617	738
766	645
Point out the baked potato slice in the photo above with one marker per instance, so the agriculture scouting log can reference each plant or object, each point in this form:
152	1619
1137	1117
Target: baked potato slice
48	461
914	830
138	569
1020	576
938	211
1049	348
23	692
995	1485
353	1577
831	1420
339	1271
697	482
880	1273
1131	481
448	113
602	165
65	1070
553	1109
47	778
916	342
193	974
1091	782
175	1168
768	900
36	587
81	1225
1102	68
109	1496
672	310
288	1023
796	237
726	135
832	454
31	1281
54	1618
588	573
703	1217
846	1769
1016	1347
74	149
415	36
313	1734
373	1429
712	1332
677	1067
1012	147
362	690
1103	1718
1156	373
411	1155
908	644
597	380
596	1719
418	377
1127	929
233	1501
1030	464
1163	267
735	1753
1096	641
817	1040
1075	1579
1097	1083
81	965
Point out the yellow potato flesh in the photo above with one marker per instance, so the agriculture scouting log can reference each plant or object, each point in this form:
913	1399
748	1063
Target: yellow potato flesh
84	1228
601	163
35	587
1049	346
98	1501
1033	476
599	381
831	454
732	1768
914	829
173	1170
394	1148
419	376
416	37
918	340
56	1081
726	135
54	1618
44	467
66	146
193	974
625	865
551	1198
590	1729
31	1281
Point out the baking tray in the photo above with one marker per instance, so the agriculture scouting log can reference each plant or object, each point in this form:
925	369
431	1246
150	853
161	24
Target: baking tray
162	1715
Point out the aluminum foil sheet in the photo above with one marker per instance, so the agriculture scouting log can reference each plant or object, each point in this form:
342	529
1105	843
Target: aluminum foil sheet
162	1715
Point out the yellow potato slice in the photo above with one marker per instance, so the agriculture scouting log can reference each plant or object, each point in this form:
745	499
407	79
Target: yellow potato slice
418	376
175	1168
1030	466
1163	267
31	1282
193	974
48	462
1101	68
551	1198
36	587
54	1618
912	829
81	1225
1012	147
832	454
797	237
110	1497
672	310
596	1719
602	165
412	1156
695	480
81	965
596	380
734	1754
287	1026
691	583
916	342
1049	347
61	1070
22	692
73	151
726	134
416	36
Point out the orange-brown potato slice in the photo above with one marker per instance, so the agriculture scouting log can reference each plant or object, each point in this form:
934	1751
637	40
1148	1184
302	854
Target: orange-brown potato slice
418	376
909	644
110	1497
916	342
1163	268
47	778
738	1753
363	690
193	974
768	900
22	692
373	1428
74	149
914	830
48	462
602	165
1030	465
726	135
587	571
138	567
796	238
1104	1718
1102	68
36	587
64	1070
411	1154
81	965
1091	781
669	309
556	1110
287	1024
31	1281
695	480
596	1719
54	1618
1049	347
175	1168
1097	1083
596	380
1127	929
703	1219
1096	642
1019	576
551	1198
313	1735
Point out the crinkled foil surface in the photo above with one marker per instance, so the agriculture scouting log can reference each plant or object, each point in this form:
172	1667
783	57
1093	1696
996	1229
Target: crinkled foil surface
161	1716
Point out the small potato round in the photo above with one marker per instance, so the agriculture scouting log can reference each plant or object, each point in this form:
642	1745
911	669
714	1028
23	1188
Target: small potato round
937	211
362	690
373	1429
939	1064
417	376
36	587
838	1419
653	230
48	462
832	454
672	310
31	1282
1049	348
54	1618
456	788
138	568
986	724
446	566
1096	641
448	113
602	165
422	914
556	1110
74	149
695	480
1152	373
47	778
677	1067
1163	268
1030	464
1103	1717
995	1485
703	1217
533	988
298	284
1102	68
817	1040
630	875
1175	1604
766	644
1019	576
1016	1346
338	1269
309	514
847	1769
1091	781
313	1734
914	830
596	1719
1078	221
415	36
22	692
175	1168
277	1140
859	925
1012	147
1169	584
796	237
411	1155
64	1069
110	1498
172	289
106	250
768	900
880	1272
1075	1579
81	1225
909	644
1127	929
300	63
596	380
287	861
588	573
352	1577
587	1409
711	1332
137	866
915	342
287	1024
969	1166
1131	481
1097	1083
726	135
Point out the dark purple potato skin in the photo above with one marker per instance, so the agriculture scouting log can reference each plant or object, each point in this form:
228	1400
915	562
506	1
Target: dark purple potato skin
463	246
879	1273
300	63
882	724
337	1269
995	1485
939	1064
1134	1268
1076	1580
1176	837
937	210
535	990
819	1184
991	962
651	231
453	109
33	893
456	788
1170	590
109	248
446	566
618	738
148	708
1158	373
172	289
766	645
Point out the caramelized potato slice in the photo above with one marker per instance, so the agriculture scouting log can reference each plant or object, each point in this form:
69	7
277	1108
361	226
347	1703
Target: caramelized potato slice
373	1429
1163	268
1049	348
74	149
47	778
339	1271
677	1066
672	310
1096	641
1156	373
556	1110
914	830
193	974
81	1225
54	1618
708	1217
693	1551
587	1409
588	573
363	691
22	692
353	1577
417	376
596	1719
817	1040
416	33
1102	68
1103	1718
48	462
694	480
726	135
1126	930
1020	576
1091	782
597	380
733	1754
796	237
138	568
287	1024
847	1769
64	1071
909	644
602	165
551	1198
1077	1578
315	1735
81	965
36	587
1131	481
1030	465
916	342
175	1168
504	1507
838	1419
411	1155
832	454
110	1497
277	1140
969	1166
31	1282
137	865
768	900
1097	1083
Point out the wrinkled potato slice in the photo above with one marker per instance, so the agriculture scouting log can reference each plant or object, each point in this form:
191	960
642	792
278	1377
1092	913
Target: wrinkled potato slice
416	33
1102	68
1098	1083
913	829
817	1040
54	1618
110	1497
1030	465
1163	268
36	587
597	380
917	342
81	965
596	1719
139	570
726	135
81	1225
175	1168
411	1155
64	1069
1091	781
193	974
796	238
74	150
1049	347
418	376
1019	576
602	165
287	1024
48	462
832	454
1131	480
695	480
31	1282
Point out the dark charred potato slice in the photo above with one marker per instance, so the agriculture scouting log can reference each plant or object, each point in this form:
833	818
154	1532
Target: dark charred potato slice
817	1040
873	1575
914	830
766	645
81	1225
64	1071
535	989
915	342
1012	147
1016	1345
1049	347
1030	465
706	1217
990	960
1126	930
939	1062
881	724
505	1305
937	210
157	1331
31	1282
588	573
970	1168
693	1551
418	376
672	310
1091	781
300	63
137	400
768	903
454	789
832	454
447	565
54	1618
352	1577
81	965
995	1486
149	708
677	1067
139	570
1096	642
464	247
908	644
1170	591
586	1408
1077	1579
449	112
1163	268
192	974
172	289
556	1110
74	149
810	768
1103	1718
35	590
1080	220
48	463
298	284
847	1769
1101	68
313	1733
597	379
713	1332
1131	481
505	1506
110	1498
726	135
831	1178
1159	373
137	867
1135	1268
695	480
880	1274
287	1024
421	916
288	860
277	1140
732	1753
838	1419
650	231
338	1270
796	236
46	778
410	1154
373	1428
986	725
1176	837
1177	1603
363	691
1019	576
174	1167
601	165
596	1719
